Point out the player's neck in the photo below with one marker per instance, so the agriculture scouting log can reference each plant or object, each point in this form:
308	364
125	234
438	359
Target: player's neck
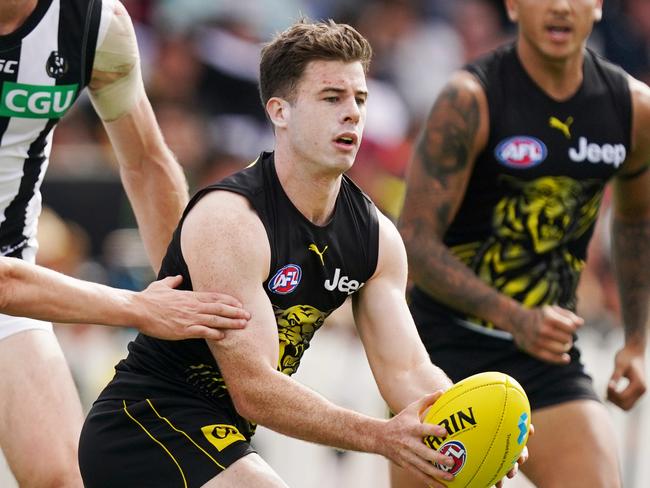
559	78
314	195
14	13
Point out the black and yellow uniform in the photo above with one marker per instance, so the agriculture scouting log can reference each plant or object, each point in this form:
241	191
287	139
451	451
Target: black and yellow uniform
166	418
528	214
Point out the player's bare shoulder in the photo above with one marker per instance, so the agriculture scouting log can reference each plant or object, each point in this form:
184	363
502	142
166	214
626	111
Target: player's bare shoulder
224	224
392	253
641	118
459	117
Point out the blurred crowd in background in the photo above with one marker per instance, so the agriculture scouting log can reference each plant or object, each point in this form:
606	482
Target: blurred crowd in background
200	65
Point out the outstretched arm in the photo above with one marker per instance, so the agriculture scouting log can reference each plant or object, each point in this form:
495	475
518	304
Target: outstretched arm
152	178
33	291
455	132
631	254
216	239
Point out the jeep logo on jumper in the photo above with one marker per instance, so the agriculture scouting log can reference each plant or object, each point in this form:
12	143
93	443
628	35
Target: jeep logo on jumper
607	153
342	283
36	101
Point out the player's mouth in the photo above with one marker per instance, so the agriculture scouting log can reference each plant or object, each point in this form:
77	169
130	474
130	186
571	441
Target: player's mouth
559	32
346	141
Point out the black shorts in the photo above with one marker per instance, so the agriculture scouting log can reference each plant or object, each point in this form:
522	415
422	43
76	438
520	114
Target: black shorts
461	352
158	442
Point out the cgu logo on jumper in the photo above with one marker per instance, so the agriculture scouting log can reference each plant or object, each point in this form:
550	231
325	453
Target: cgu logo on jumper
342	283
36	101
456	422
521	152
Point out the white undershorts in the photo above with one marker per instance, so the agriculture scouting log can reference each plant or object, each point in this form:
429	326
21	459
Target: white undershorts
10	325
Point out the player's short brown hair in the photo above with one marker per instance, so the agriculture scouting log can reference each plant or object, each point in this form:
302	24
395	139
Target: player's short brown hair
285	58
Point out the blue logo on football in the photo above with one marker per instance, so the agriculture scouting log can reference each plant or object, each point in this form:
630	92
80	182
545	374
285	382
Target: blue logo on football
523	430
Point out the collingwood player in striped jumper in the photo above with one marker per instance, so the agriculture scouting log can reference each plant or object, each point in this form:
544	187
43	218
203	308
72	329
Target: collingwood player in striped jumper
503	194
293	238
50	50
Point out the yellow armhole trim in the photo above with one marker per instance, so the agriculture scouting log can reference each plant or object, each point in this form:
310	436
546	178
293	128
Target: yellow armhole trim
157	442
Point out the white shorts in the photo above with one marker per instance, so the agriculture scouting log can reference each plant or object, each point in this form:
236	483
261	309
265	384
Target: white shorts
10	325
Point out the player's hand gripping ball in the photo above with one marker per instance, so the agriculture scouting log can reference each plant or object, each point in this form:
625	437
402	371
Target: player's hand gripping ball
487	417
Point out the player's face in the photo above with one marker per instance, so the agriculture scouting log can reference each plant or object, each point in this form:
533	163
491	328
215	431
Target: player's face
556	29
328	113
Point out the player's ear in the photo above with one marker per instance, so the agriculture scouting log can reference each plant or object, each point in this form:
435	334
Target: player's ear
598	11
279	111
512	9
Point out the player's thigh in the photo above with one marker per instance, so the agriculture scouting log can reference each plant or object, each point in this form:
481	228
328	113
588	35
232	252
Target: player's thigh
40	412
574	445
400	478
251	471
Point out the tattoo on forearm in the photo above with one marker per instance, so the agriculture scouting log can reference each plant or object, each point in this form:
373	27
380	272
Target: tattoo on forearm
446	142
631	254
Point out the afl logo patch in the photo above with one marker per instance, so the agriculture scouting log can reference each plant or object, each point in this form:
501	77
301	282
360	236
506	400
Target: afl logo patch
521	152
286	279
456	451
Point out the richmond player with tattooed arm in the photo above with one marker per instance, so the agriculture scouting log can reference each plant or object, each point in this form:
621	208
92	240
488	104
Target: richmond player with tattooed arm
293	238
503	193
50	50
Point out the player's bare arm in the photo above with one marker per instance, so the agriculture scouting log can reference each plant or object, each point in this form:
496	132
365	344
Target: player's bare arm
455	132
220	234
152	178
159	311
631	255
403	373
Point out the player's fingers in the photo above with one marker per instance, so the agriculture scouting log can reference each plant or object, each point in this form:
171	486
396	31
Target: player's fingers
223	311
202	332
550	357
171	281
427	469
560	320
426	401
215	297
433	430
625	397
615	397
551	333
555	347
513	472
220	322
576	319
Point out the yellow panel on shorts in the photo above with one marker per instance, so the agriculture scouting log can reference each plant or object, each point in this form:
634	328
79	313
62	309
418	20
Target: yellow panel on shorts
222	435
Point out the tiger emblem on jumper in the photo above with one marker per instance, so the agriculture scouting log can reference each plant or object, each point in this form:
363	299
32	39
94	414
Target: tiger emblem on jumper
528	256
296	326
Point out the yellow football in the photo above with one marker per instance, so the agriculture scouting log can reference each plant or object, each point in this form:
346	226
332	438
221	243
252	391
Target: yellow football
487	417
